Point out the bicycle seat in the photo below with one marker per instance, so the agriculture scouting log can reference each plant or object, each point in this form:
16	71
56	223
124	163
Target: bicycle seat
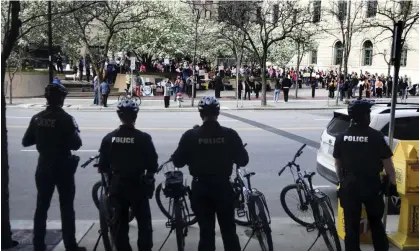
247	175
309	174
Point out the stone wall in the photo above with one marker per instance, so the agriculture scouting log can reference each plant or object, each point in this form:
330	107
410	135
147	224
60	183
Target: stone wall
26	84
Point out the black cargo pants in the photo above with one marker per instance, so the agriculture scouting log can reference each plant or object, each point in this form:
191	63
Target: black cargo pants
374	205
214	197
47	177
124	197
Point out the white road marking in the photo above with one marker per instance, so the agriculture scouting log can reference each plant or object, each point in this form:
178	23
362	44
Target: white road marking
13	117
34	150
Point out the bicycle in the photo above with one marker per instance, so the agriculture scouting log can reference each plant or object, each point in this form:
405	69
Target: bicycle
308	197
251	204
107	226
179	217
97	187
128	95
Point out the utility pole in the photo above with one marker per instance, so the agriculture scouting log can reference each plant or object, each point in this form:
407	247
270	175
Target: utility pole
396	52
50	65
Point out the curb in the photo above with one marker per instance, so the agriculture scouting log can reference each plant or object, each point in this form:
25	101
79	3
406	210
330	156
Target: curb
186	109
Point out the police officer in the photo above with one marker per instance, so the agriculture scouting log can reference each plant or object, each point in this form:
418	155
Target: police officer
55	133
129	156
210	152
360	154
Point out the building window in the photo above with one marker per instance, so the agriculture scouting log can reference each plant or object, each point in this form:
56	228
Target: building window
403	59
317	5
372	8
314	57
338	53
367	53
342	10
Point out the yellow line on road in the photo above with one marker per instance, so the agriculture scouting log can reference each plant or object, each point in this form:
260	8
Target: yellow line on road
96	128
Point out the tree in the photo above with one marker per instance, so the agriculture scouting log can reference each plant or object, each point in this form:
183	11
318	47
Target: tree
387	13
271	23
304	42
9	37
348	14
98	25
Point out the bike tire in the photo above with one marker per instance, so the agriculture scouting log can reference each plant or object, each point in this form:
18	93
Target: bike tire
95	196
122	97
180	225
287	209
138	100
263	229
191	218
95	193
327	226
104	227
242	221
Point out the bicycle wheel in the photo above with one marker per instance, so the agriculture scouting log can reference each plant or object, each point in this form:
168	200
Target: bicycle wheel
185	205
241	216
95	193
180	225
327	227
262	230
122	97
104	227
138	100
301	206
96	190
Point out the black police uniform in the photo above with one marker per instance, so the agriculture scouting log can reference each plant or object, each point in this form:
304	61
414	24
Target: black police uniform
361	150
55	134
127	153
210	152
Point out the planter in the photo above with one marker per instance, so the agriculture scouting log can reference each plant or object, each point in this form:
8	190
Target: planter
26	84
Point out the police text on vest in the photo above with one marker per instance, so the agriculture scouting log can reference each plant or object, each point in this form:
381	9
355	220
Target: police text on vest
123	140
355	139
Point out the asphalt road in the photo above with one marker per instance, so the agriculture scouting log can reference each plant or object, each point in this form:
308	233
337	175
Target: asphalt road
272	137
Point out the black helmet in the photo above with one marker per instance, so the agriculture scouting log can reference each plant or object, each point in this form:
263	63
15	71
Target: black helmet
209	106
55	94
127	106
55	90
359	108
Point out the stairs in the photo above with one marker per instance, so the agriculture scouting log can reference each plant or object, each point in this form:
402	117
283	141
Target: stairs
77	89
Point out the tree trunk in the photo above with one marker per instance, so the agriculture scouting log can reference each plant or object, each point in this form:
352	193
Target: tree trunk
297	70
6	233
238	58
263	66
388	69
8	44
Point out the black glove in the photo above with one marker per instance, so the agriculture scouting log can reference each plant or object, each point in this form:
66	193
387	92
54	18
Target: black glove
392	190
150	183
387	188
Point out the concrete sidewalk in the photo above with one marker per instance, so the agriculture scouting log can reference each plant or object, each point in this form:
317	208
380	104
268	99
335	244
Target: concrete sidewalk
286	234
158	105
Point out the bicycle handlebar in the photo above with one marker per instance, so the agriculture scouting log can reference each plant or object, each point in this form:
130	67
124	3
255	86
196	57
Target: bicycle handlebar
89	161
162	165
290	164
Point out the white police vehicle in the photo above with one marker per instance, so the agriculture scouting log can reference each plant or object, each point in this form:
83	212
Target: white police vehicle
406	128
